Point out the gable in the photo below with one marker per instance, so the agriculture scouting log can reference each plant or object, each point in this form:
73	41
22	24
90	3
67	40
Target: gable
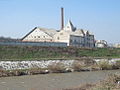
69	27
37	34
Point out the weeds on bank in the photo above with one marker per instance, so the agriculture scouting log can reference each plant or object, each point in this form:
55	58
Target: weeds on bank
110	83
104	65
56	67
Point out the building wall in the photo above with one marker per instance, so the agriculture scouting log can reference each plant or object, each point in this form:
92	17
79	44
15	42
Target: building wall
38	36
53	44
101	43
62	36
68	35
76	41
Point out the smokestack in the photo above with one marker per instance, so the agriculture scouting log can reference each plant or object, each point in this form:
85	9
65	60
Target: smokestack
62	18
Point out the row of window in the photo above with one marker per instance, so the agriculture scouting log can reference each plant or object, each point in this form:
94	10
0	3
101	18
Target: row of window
37	36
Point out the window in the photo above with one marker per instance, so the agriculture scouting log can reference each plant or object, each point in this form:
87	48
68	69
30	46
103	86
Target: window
71	41
75	41
58	38
38	36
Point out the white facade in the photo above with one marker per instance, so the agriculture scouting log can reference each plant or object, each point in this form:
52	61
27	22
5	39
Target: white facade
117	45
69	35
101	43
40	35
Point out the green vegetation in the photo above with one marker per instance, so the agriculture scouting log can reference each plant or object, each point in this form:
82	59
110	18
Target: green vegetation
38	53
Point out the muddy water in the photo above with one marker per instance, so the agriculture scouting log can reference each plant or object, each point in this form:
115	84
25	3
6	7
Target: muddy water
52	81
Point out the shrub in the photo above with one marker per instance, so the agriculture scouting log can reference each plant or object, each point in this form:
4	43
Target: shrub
57	67
104	65
3	73
118	64
78	65
34	71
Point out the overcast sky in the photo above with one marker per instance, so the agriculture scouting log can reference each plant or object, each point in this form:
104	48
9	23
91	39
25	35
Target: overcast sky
101	17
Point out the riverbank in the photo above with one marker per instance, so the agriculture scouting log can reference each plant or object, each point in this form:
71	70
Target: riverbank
25	53
18	68
53	81
112	82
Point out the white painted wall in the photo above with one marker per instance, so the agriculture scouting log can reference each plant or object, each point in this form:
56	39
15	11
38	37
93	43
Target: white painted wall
62	36
38	35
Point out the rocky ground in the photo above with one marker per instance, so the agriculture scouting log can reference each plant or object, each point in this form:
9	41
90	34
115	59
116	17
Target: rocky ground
17	68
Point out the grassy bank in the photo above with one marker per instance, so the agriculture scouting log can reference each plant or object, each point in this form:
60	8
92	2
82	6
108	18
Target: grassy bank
38	53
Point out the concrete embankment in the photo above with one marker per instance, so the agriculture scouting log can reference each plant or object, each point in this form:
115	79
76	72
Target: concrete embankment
17	68
13	65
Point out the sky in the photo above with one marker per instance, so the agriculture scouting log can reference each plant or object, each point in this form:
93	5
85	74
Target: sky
101	17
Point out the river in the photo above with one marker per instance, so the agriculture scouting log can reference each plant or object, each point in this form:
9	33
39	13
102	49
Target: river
52	81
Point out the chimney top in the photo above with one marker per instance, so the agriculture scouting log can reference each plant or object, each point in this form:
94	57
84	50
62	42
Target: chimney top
62	18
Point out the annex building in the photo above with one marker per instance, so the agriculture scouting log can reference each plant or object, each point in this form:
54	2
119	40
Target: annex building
67	34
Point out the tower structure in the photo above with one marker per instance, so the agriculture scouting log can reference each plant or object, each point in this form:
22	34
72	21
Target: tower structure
62	18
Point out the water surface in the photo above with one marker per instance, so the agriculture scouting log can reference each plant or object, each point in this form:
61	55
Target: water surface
52	81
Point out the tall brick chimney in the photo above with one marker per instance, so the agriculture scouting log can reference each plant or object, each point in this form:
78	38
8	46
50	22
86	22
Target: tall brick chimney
62	18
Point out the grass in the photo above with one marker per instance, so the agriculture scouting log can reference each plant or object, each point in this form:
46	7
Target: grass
40	53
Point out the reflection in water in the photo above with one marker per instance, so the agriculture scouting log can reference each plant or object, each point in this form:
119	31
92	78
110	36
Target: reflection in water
52	81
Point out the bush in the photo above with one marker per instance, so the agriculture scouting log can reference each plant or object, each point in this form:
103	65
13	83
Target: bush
57	67
118	64
34	71
104	65
78	65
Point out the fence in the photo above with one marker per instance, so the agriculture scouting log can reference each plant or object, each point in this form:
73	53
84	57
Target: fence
53	44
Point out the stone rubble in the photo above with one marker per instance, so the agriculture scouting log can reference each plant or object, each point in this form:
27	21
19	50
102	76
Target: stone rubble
13	65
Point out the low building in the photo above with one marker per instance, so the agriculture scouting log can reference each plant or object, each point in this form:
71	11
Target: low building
101	43
116	45
40	35
69	34
74	37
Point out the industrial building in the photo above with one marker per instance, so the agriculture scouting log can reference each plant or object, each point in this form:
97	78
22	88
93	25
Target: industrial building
68	34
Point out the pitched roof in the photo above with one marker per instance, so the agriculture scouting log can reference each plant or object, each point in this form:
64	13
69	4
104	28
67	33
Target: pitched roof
69	26
49	32
29	33
78	32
